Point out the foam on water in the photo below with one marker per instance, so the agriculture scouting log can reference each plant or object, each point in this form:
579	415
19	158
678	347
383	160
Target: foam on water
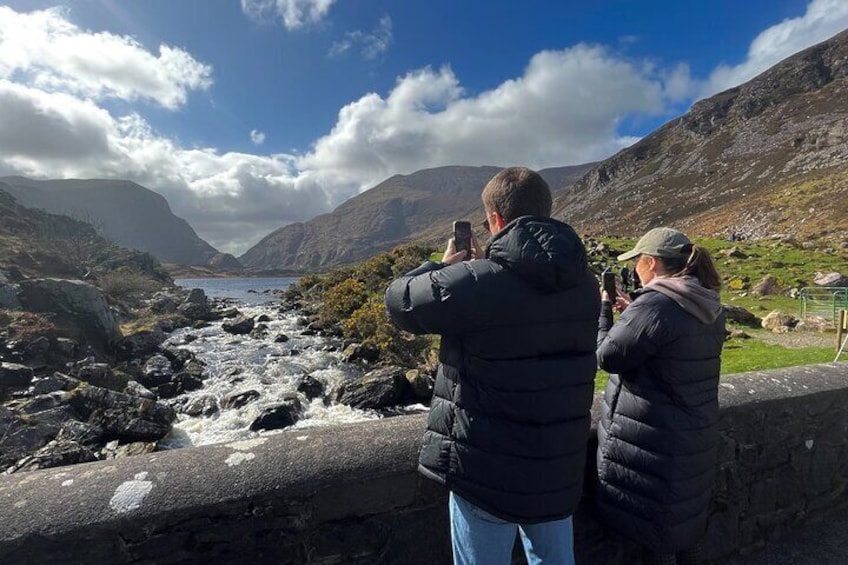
236	364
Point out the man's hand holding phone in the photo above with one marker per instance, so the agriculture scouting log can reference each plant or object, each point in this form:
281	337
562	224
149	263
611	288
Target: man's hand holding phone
462	246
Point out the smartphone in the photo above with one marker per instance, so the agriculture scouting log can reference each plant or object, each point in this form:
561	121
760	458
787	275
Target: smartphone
608	281
462	238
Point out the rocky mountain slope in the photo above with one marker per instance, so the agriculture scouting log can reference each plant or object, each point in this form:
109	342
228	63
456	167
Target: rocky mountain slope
769	156
123	212
417	207
34	243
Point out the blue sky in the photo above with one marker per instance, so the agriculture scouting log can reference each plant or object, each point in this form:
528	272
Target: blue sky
248	115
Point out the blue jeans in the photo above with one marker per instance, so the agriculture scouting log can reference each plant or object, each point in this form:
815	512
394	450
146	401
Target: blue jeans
479	538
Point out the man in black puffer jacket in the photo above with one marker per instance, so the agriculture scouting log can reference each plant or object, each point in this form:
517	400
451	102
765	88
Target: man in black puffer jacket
510	418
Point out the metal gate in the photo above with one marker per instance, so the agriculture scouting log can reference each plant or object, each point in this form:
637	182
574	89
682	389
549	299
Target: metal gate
823	301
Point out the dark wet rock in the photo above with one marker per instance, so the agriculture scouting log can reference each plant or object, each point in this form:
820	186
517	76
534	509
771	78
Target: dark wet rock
178	356
293	352
78	308
204	405
157	371
9	296
230	313
310	387
259	332
66	347
140	344
239	326
163	305
43	402
179	384
56	453
101	374
741	316
200	324
21	436
134	388
81	432
420	384
122	416
357	352
54	383
281	338
376	389
189	338
263	318
239	399
309	331
14	376
196	306
37	349
195	368
281	416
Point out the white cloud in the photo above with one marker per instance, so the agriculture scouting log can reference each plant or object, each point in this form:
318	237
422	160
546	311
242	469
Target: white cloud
295	13
822	19
371	45
565	108
44	49
257	137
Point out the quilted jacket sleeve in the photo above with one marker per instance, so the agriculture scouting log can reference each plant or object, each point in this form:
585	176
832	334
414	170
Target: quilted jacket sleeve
632	340
434	298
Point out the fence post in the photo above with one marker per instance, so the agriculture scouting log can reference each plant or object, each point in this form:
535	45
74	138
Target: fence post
841	329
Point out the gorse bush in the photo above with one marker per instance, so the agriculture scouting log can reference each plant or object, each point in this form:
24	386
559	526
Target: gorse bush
342	300
351	298
370	325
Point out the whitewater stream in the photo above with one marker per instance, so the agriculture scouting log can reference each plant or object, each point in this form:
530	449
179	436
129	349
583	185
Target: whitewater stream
239	363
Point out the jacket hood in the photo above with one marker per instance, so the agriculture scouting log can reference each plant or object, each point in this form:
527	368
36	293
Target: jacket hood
687	291
546	253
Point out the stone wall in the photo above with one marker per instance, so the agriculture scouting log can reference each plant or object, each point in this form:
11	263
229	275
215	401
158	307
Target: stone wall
352	495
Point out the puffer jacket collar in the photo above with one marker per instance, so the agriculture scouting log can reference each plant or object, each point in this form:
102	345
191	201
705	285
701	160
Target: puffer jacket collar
546	253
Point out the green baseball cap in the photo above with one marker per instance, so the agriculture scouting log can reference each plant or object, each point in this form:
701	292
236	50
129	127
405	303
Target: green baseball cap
659	242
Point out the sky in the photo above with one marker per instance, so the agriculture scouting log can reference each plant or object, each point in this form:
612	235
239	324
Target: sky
248	115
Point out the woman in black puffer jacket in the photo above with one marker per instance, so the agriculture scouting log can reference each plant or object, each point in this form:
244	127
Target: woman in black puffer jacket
658	430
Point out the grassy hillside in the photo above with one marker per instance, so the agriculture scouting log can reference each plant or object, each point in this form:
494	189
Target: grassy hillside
351	299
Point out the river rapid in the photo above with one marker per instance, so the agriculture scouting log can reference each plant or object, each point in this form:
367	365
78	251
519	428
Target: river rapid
239	363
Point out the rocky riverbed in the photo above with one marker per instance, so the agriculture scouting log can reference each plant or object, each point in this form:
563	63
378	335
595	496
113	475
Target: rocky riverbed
202	372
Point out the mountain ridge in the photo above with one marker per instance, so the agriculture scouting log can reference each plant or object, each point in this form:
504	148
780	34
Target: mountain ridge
767	156
123	211
419	207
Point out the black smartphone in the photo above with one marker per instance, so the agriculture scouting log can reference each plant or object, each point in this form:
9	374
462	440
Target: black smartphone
462	238
608	281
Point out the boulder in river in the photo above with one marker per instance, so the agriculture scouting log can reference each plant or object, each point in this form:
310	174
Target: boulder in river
379	388
281	416
123	417
310	387
238	326
239	399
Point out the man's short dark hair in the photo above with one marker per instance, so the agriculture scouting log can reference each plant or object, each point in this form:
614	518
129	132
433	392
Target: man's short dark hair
517	191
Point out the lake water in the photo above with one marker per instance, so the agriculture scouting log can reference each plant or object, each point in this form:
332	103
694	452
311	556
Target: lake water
248	291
